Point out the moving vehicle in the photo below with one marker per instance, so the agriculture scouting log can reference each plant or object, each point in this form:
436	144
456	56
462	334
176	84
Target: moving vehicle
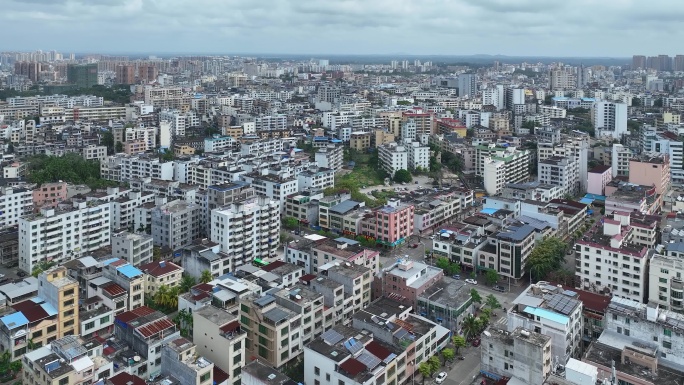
471	281
499	288
441	377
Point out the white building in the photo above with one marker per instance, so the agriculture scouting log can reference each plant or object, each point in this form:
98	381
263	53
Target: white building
14	202
560	171
609	119
521	354
418	156
92	152
393	157
330	157
135	249
64	233
408	131
576	146
175	224
621	156
219	143
666	288
316	179
122	167
272	186
123	208
246	230
506	166
612	257
666	143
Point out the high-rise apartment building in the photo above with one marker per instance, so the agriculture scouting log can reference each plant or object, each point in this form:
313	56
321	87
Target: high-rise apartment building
609	119
467	85
125	74
638	62
82	75
58	289
562	79
14	202
175	224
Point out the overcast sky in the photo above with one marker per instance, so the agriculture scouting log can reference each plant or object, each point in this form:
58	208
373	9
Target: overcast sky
450	27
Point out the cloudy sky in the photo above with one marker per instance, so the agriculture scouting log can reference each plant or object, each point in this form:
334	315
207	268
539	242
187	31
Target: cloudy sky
449	27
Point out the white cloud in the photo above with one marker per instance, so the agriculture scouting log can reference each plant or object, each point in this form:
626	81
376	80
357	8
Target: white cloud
510	27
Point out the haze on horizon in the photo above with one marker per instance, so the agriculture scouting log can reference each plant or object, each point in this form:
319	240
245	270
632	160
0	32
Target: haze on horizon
582	28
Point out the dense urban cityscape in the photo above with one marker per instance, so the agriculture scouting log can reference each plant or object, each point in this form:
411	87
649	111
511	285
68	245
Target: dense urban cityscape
331	220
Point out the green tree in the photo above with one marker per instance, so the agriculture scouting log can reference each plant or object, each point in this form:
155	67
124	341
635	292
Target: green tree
206	277
119	147
491	277
15	367
434	363
161	296
448	354
403	176
107	140
10	148
168	156
459	342
156	253
41	267
425	370
290	222
485	317
187	282
448	267
470	325
547	255
475	295
492	302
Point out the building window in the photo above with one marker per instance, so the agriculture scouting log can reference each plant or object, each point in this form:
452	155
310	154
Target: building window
206	376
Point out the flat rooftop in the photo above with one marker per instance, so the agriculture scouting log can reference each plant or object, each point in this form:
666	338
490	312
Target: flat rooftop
604	355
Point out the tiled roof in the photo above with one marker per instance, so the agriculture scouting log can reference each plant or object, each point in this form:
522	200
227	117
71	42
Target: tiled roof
114	289
378	350
124	378
352	367
155	327
31	310
158	269
129	316
273	265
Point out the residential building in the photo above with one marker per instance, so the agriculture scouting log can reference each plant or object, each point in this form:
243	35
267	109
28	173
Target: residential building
124	167
82	75
62	233
134	248
549	310
205	255
66	361
330	157
560	171
266	325
220	338
19	291
245	230
467	85
303	206
499	166
93	152
391	224
123	209
575	145
531	191
316	179
128	277
14	202
521	354
599	177
665	286
628	197
181	362
32	321
360	141
405	280
313	254
61	291
649	170
609	119
258	373
146	331
275	187
162	273
49	195
357	281
220	143
446	303
666	143
435	209
507	250
418	156
393	157
612	257
175	224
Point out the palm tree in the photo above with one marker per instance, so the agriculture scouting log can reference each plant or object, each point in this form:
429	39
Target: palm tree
425	370
186	283
459	342
173	297
206	277
471	326
161	297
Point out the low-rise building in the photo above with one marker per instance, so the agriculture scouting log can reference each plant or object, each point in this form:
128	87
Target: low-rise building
127	276
599	177
180	361
330	157
405	281
134	248
49	195
220	338
391	224
521	354
162	273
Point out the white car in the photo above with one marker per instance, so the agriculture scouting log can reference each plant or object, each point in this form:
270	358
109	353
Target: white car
441	377
471	281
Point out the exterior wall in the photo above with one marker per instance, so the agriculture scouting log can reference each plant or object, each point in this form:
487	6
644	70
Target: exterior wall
597	182
649	174
49	194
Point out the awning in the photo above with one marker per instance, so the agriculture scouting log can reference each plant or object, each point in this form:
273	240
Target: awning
490	375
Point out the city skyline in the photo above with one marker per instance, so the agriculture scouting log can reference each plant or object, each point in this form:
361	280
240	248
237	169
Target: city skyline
344	27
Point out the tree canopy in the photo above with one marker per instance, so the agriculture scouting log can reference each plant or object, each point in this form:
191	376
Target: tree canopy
548	255
70	168
449	267
403	176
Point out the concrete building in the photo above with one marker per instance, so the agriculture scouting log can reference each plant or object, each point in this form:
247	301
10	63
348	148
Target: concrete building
134	248
390	225
393	157
612	257
609	119
560	171
274	187
410	278
49	195
651	170
666	143
628	197
61	291
521	354
575	145
63	233
418	156
245	229
507	166
162	273
123	167
258	373
33	320
551	311
93	152
330	156
180	362
467	85
599	177
220	338
127	277
665	286
531	191
316	179
303	206
175	224
14	203
360	141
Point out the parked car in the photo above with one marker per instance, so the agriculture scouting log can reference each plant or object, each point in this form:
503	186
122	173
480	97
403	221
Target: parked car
416	182
456	276
21	274
414	246
471	281
499	288
441	377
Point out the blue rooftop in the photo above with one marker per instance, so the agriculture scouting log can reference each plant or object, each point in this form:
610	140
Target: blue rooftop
14	320
489	211
129	271
49	309
546	314
107	262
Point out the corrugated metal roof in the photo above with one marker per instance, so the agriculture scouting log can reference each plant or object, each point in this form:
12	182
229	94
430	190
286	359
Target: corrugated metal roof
14	320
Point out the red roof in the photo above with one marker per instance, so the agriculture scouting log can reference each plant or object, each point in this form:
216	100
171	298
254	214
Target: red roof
124	378
114	289
592	301
230	327
158	269
31	310
219	375
307	277
352	366
205	287
118	263
129	316
155	327
378	350
273	265
108	351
